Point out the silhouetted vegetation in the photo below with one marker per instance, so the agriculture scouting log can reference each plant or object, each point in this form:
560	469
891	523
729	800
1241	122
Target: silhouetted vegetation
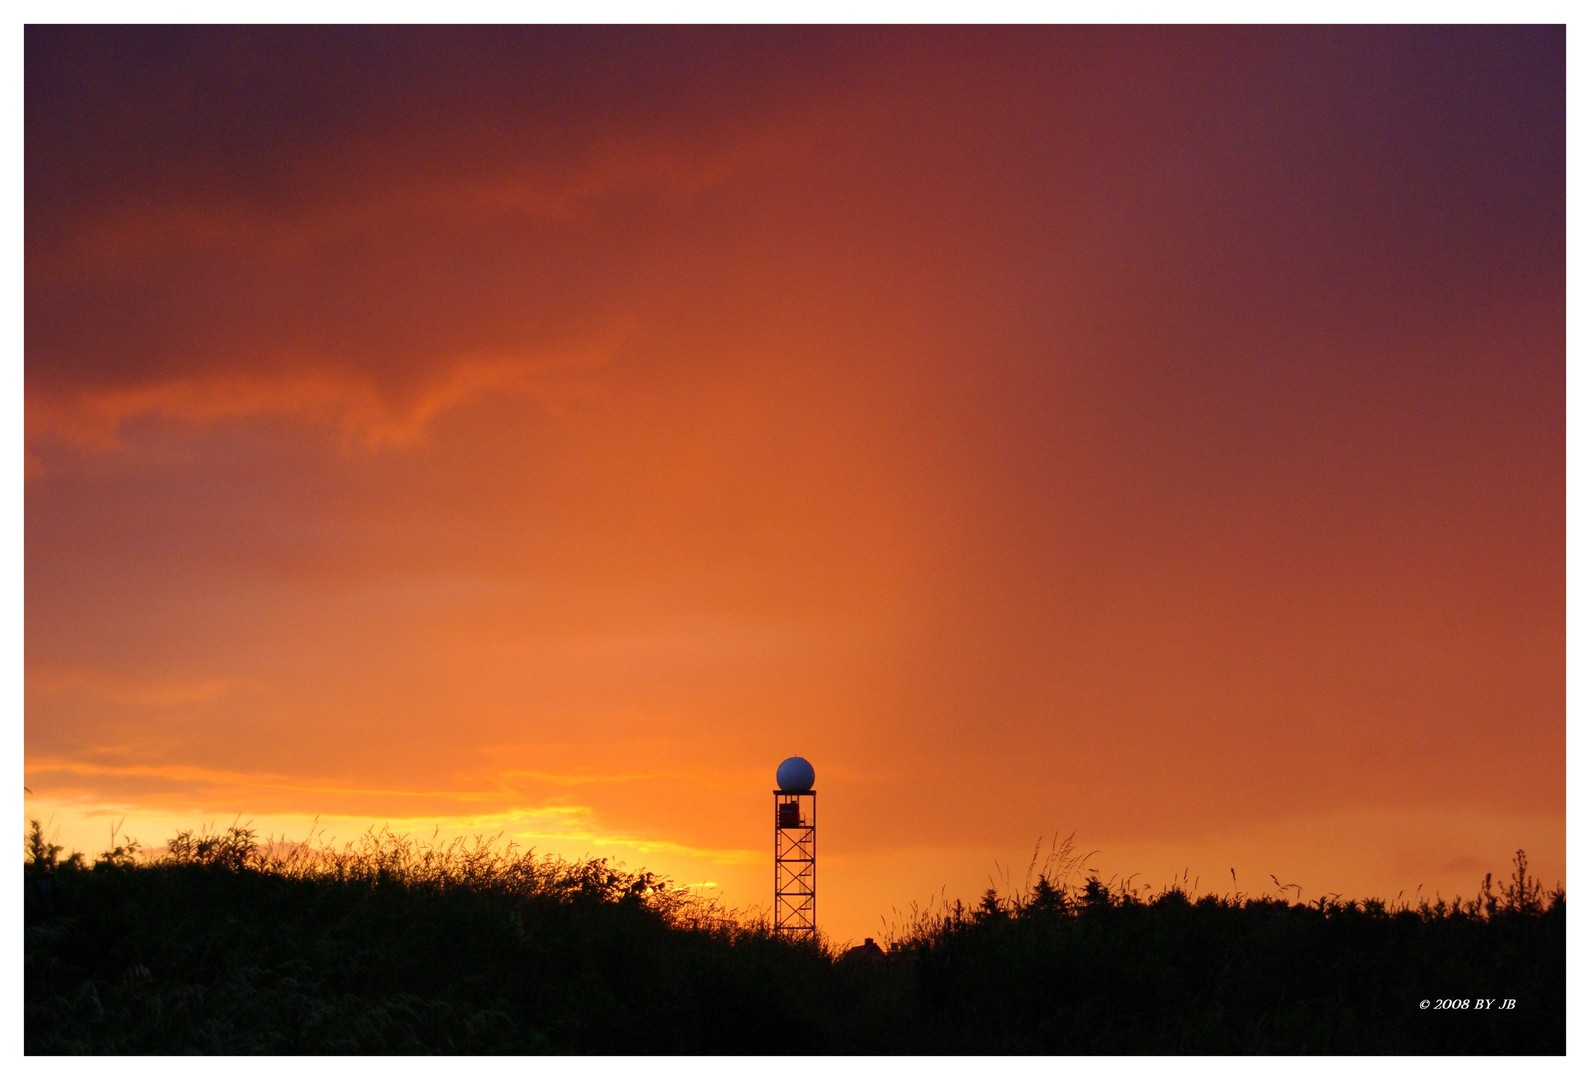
222	944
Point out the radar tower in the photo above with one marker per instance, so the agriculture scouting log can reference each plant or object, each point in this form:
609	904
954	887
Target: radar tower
795	850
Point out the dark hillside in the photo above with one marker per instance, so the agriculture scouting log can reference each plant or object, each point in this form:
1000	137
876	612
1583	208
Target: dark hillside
1117	974
222	945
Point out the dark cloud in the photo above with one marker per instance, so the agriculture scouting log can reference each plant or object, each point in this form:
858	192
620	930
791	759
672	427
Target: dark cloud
386	204
380	203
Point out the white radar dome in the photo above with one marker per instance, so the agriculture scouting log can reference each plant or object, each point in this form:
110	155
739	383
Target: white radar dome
796	776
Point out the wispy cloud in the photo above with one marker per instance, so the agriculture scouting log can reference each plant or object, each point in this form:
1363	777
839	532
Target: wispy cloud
349	402
212	224
569	828
208	782
122	689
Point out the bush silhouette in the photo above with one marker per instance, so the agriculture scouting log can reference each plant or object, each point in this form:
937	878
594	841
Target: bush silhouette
222	943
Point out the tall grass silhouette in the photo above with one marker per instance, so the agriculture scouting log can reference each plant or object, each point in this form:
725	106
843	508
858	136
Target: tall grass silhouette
221	942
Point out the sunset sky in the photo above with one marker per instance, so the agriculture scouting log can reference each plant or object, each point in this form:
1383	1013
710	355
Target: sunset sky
1155	434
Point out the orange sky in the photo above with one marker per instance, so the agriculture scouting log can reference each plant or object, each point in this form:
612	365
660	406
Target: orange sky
1155	433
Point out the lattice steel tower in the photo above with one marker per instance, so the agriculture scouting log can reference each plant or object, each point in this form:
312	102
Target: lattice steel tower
795	850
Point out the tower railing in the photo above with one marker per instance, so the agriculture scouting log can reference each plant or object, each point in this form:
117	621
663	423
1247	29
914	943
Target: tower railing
795	863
